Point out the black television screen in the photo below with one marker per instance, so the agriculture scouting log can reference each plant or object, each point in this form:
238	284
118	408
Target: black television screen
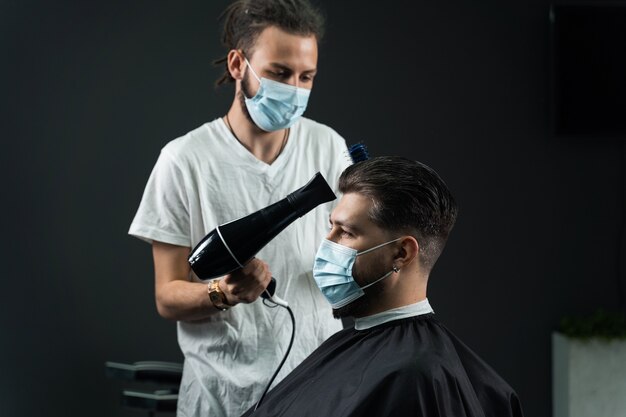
589	69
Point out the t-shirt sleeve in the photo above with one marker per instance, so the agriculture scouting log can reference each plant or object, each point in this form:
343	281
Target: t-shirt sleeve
163	213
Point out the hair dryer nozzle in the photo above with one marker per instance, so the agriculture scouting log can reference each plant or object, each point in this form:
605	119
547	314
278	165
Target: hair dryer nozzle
311	195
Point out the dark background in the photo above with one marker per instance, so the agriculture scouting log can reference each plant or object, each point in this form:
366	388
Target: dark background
91	91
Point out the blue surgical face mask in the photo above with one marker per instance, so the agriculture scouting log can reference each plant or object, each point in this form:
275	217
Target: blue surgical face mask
332	271
276	105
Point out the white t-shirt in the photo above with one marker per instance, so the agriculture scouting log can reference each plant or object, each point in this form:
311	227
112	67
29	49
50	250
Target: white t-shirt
206	178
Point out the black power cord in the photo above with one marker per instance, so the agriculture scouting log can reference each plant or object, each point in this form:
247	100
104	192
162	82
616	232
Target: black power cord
268	297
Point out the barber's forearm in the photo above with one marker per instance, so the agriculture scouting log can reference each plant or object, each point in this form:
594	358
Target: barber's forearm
184	301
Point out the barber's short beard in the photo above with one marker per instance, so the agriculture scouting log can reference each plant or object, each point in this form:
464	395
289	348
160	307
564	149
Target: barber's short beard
243	93
361	304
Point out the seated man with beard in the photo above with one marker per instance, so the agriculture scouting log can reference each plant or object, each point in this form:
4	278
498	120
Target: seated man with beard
386	234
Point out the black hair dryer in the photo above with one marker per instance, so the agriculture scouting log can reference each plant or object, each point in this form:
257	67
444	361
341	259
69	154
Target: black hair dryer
231	245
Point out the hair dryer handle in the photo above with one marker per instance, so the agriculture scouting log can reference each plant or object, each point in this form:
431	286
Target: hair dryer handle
268	294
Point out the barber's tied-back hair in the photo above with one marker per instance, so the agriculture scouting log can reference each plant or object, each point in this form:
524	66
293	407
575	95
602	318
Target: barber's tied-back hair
244	20
407	197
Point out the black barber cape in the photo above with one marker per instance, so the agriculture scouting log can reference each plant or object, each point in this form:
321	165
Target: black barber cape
407	367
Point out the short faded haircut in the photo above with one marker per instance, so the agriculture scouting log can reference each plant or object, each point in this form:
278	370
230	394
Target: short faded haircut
407	197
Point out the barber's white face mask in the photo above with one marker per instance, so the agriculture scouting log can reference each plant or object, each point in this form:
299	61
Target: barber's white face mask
276	105
332	271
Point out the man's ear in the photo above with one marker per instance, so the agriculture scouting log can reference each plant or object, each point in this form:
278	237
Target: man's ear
236	64
408	252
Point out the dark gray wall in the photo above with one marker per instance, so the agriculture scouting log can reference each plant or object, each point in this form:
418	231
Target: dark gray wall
92	90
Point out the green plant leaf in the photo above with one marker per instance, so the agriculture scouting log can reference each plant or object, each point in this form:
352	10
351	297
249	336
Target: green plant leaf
602	324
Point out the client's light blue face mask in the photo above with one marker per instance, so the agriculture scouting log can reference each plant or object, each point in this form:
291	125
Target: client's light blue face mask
276	105
332	271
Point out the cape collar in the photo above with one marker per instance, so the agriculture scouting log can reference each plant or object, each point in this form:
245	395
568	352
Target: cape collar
417	309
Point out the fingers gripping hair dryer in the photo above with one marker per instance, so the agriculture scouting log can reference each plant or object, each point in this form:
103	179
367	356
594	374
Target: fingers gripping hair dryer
231	245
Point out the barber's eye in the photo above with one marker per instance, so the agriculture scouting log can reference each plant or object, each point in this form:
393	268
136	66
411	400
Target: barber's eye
280	74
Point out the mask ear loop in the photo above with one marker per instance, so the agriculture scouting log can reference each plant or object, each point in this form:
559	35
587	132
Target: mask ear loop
379	279
378	246
251	69
394	269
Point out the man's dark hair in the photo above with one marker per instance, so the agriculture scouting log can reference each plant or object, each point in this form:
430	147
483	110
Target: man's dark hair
407	197
244	20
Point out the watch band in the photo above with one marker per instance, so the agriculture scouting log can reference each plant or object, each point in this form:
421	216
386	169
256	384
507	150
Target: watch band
217	296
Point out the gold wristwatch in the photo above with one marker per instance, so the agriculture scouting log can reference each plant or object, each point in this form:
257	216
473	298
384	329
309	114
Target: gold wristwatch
217	296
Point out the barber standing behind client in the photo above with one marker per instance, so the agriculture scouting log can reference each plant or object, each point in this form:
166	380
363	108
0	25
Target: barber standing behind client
386	234
255	155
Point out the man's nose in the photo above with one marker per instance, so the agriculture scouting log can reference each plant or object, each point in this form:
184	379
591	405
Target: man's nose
294	80
333	235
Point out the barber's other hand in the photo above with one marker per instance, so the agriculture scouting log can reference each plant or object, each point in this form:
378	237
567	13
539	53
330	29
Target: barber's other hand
246	284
